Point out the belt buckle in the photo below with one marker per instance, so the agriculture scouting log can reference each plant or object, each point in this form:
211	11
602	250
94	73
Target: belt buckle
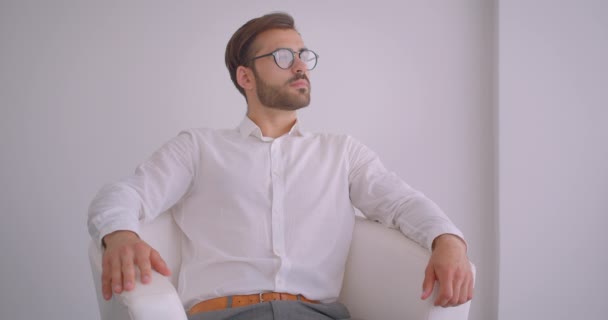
261	297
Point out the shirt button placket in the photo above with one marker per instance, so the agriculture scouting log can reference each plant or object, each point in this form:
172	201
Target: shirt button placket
278	227
277	198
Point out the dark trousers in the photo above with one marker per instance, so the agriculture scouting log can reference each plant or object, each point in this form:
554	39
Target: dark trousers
279	310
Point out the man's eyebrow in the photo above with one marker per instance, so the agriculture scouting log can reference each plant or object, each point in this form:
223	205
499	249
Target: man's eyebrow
303	48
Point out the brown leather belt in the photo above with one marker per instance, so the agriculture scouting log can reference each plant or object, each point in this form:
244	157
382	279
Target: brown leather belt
243	300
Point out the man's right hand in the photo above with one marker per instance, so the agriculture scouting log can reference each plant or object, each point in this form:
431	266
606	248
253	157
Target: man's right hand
124	252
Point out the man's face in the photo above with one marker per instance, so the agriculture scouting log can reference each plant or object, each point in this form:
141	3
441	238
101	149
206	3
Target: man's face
283	89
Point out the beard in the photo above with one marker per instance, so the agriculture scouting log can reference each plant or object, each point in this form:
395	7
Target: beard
278	97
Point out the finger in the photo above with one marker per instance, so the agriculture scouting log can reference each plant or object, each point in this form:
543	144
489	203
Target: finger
116	274
159	264
428	283
127	268
464	291
106	279
142	259
471	288
445	289
456	289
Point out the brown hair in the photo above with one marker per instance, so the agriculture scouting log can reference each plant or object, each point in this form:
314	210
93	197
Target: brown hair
239	51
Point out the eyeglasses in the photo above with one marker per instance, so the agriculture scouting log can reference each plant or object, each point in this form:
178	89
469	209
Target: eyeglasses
284	58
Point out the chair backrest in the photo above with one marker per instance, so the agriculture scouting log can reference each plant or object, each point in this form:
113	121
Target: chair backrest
163	234
384	275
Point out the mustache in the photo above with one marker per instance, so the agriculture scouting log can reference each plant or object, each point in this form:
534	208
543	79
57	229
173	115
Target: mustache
298	76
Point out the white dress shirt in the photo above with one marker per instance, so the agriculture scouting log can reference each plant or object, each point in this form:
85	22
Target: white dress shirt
261	214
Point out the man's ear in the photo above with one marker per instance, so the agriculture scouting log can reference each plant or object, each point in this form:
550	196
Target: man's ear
245	78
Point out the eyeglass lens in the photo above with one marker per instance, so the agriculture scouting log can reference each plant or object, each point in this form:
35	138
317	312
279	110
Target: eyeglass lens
284	58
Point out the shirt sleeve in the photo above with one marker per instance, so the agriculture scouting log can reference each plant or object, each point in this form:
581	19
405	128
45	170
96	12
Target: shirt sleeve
157	184
382	196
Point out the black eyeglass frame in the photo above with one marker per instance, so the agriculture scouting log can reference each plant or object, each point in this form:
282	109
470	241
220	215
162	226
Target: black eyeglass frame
275	52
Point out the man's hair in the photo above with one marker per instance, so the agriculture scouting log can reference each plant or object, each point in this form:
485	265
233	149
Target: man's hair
239	51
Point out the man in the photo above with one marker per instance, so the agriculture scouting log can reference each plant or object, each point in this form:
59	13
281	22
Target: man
266	207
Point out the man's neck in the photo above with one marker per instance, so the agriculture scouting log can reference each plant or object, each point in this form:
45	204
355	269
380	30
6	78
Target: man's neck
273	123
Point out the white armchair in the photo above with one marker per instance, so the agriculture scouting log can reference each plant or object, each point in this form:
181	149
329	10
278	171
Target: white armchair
383	278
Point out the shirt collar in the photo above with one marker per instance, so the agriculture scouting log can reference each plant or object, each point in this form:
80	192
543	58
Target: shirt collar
249	128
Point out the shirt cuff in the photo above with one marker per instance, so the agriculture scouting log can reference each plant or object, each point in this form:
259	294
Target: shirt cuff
436	232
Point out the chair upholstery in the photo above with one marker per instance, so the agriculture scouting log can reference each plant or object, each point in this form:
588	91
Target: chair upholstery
383	278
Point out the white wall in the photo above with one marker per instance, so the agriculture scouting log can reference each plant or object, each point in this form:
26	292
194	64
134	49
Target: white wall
89	89
553	115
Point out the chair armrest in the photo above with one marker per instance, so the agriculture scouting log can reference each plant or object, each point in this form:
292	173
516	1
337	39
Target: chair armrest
157	300
384	275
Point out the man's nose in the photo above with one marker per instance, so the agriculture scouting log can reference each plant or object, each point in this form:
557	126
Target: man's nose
298	65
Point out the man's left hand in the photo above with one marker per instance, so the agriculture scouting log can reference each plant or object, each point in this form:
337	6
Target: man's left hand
450	266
